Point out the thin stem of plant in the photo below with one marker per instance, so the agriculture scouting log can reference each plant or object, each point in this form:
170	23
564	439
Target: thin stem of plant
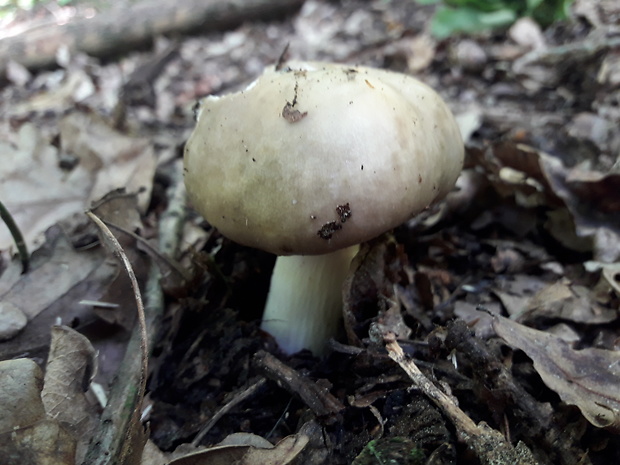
22	249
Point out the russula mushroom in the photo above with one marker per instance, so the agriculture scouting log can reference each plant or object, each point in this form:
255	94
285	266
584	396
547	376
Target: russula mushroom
310	160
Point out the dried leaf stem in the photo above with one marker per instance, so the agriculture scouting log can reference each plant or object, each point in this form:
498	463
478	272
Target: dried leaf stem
123	410
112	445
22	249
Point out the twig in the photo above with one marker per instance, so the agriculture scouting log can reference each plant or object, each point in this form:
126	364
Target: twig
236	400
489	445
22	249
318	399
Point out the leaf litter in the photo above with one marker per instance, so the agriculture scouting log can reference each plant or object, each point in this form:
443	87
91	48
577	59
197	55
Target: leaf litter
531	234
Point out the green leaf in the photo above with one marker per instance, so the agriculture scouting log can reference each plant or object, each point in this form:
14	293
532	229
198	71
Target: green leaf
448	21
482	5
531	5
427	2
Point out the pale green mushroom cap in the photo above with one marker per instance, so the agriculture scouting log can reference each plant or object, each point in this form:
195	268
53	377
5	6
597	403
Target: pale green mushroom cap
314	157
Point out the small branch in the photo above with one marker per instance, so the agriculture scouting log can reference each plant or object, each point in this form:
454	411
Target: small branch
236	400
318	399
489	445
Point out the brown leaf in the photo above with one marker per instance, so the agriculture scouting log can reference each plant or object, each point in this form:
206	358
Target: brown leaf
76	86
40	191
372	275
60	277
515	170
22	380
26	434
515	291
588	378
71	365
281	454
610	272
567	302
592	199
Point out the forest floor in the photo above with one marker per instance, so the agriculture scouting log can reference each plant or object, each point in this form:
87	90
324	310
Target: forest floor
497	311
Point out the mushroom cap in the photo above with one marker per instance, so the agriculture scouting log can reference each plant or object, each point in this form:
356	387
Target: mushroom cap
313	157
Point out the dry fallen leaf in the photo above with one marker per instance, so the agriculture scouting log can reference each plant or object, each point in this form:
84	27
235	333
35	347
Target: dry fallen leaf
592	199
588	378
71	365
610	272
281	454
27	435
515	291
567	302
76	85
44	184
60	277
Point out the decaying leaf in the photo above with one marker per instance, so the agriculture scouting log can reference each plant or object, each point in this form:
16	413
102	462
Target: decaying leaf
567	302
281	454
610	272
592	199
588	378
76	86
70	368
373	273
27	435
152	455
515	291
22	381
60	277
44	184
581	201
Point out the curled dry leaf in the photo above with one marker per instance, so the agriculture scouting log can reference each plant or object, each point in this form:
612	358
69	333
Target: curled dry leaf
514	171
588	378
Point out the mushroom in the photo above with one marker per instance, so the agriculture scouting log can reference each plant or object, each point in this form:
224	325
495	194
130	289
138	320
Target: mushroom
309	161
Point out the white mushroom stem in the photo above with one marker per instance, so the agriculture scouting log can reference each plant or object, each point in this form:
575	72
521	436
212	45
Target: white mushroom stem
304	305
